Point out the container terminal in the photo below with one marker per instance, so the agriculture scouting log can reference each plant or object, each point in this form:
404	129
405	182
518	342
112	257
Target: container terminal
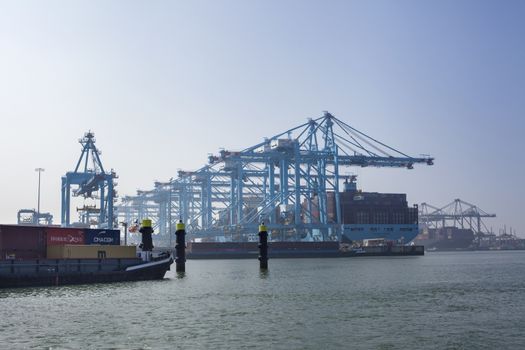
298	182
294	184
460	225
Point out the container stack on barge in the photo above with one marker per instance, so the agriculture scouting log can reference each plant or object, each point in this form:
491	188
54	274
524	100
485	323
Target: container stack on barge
49	255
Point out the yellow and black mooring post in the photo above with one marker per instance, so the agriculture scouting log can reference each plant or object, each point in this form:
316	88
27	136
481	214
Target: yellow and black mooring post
147	240
180	247
263	247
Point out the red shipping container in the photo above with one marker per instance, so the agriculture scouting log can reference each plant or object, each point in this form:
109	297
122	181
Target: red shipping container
64	235
22	242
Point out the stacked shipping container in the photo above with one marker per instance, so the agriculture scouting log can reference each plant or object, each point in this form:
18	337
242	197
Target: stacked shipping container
22	242
102	236
30	242
76	251
64	235
376	208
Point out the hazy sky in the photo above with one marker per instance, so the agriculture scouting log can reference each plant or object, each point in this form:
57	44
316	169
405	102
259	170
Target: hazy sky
164	83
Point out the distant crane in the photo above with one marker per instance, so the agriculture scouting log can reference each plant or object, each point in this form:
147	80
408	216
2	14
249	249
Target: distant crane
90	180
154	204
33	217
457	213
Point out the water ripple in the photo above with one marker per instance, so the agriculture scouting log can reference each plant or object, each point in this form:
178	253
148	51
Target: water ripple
440	301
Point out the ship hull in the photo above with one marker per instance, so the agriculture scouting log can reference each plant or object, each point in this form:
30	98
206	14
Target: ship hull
55	272
291	250
404	233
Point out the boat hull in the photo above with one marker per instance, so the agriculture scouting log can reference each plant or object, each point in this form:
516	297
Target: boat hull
290	250
46	272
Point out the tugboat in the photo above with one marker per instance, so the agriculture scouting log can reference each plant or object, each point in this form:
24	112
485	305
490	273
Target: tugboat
61	264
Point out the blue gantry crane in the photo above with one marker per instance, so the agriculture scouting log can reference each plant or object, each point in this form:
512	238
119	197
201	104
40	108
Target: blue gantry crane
89	180
291	181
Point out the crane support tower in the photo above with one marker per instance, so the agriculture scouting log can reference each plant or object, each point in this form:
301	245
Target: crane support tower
292	181
89	180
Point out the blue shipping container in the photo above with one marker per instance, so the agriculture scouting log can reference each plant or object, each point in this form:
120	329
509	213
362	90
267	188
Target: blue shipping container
102	236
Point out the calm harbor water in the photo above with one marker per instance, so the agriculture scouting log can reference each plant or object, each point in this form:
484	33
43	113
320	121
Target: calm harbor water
457	300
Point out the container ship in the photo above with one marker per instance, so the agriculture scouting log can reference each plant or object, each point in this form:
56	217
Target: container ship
48	256
373	215
373	224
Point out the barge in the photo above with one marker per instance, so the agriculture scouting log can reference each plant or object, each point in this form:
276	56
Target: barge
290	250
54	272
51	256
